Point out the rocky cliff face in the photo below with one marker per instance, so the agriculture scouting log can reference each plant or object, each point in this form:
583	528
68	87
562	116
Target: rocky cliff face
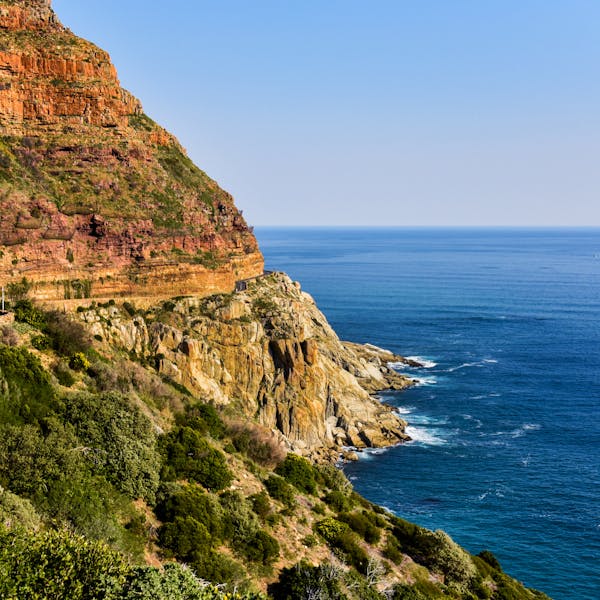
268	354
96	200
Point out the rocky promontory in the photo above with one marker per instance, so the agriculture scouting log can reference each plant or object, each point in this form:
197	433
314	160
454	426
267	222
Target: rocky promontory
268	352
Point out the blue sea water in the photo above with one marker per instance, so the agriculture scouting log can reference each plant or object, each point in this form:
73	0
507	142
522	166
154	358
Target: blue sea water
506	421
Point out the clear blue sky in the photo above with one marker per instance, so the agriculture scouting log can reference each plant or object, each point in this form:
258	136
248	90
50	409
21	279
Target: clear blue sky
372	112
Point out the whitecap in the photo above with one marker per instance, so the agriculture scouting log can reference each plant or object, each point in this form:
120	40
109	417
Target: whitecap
404	410
424	436
423	381
478	364
424	362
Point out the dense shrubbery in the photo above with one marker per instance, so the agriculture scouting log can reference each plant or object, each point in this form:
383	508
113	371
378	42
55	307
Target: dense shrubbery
203	418
338	501
363	525
26	393
338	535
62	566
280	489
299	472
121	440
304	581
187	455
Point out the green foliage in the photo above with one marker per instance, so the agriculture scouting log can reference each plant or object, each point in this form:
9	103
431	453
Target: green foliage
17	512
261	505
330	529
490	559
79	362
58	565
121	441
299	472
63	373
191	501
361	524
392	551
304	581
240	521
188	456
333	478
261	548
26	393
218	568
41	342
338	501
185	538
26	312
280	489
68	337
204	418
18	291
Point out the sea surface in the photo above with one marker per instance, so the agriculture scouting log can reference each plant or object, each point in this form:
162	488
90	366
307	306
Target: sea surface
506	419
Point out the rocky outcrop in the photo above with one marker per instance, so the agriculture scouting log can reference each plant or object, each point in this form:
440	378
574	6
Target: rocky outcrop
269	354
97	200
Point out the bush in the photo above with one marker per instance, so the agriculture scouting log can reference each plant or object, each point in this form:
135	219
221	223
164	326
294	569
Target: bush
41	342
490	559
239	520
173	582
26	393
26	312
262	548
191	501
188	456
280	489
299	472
261	505
79	362
63	374
185	538
17	512
204	418
219	568
360	523
68	337
303	581
123	440
58	565
338	501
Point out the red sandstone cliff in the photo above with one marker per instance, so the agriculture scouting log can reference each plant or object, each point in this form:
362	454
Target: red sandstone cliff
95	198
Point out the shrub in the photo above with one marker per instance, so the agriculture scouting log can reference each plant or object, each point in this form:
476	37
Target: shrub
392	551
239	520
203	418
303	581
173	582
17	512
261	505
360	523
262	548
280	489
191	501
185	537
490	559
26	312
123	440
68	337
330	529
79	362
26	393
299	472
338	501
58	565
188	456
41	342
219	568
63	373
129	309
333	478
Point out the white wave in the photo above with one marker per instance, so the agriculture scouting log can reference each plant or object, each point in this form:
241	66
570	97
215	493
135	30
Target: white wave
479	364
483	396
425	362
404	410
521	431
425	436
420	381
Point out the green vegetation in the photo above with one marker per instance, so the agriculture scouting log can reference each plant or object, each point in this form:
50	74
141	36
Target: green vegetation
129	463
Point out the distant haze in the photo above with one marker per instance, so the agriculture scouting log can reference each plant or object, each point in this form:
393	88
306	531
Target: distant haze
347	112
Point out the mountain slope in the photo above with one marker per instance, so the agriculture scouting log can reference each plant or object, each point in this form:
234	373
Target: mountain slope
96	200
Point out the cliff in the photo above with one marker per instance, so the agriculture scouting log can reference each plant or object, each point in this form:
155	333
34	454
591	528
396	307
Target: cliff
268	354
97	200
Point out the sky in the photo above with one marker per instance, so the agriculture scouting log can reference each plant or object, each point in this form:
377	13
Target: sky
372	112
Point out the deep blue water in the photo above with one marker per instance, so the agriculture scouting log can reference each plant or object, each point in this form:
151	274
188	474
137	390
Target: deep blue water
506	424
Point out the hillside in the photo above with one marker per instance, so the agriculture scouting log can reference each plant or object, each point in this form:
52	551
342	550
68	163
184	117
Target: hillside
113	474
97	200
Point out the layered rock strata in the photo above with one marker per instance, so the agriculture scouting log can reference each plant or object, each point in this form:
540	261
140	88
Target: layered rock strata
97	200
269	354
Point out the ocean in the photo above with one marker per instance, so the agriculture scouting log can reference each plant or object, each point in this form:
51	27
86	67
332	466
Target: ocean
506	418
